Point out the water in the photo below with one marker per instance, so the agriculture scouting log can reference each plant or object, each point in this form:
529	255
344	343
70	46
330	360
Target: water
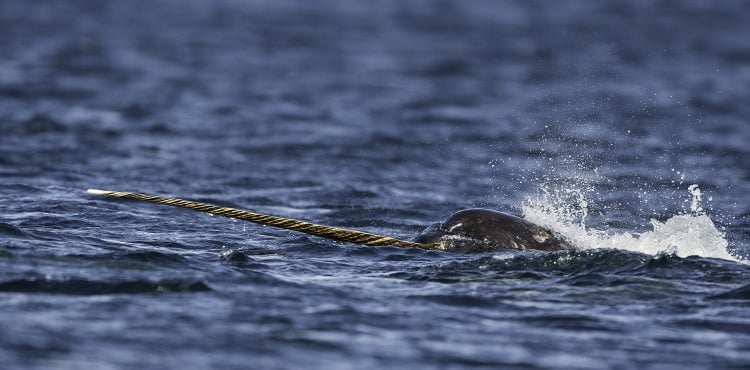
622	125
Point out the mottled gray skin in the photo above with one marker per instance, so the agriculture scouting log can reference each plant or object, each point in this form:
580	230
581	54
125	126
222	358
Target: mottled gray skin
484	230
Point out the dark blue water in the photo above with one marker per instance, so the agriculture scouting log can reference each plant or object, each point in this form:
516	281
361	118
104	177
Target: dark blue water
592	118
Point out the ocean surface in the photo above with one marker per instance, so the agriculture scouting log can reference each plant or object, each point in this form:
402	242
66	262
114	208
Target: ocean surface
621	125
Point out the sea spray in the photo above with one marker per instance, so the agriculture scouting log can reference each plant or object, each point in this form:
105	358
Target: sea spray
687	234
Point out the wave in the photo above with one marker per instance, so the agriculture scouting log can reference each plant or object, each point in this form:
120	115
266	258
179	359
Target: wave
79	286
10	231
741	293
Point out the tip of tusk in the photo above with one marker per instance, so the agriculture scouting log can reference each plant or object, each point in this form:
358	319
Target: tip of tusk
97	191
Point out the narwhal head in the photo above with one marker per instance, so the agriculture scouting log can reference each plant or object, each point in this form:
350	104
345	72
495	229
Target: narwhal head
483	230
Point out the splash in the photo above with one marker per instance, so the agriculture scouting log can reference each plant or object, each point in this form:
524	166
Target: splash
691	234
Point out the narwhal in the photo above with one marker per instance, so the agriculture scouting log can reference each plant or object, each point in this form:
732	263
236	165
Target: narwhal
466	231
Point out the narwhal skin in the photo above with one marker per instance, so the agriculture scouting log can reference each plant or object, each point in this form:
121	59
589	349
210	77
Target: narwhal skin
484	230
467	231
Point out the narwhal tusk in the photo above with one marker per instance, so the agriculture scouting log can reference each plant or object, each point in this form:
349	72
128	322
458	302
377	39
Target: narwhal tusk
328	232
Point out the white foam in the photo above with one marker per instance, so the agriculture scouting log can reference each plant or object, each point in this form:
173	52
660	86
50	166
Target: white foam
693	234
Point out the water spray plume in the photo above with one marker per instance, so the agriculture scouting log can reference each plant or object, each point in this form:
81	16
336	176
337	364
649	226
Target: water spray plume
682	234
